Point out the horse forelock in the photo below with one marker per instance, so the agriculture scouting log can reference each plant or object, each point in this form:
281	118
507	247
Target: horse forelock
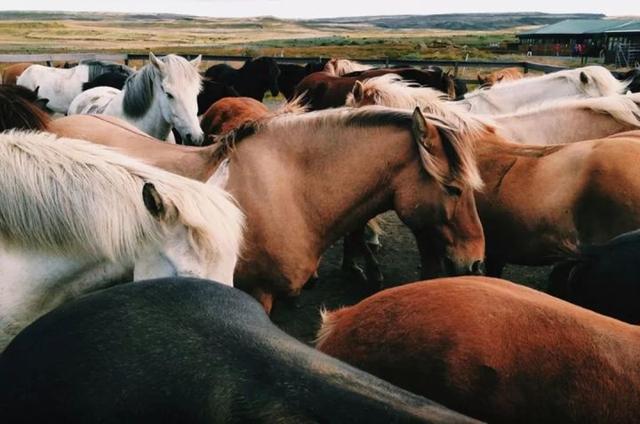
72	195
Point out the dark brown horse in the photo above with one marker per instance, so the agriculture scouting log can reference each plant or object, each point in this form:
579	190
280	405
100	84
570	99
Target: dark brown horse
291	75
230	113
323	90
341	168
254	79
213	91
20	108
494	350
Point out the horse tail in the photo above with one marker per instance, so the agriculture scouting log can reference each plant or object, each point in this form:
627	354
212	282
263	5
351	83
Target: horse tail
328	322
295	106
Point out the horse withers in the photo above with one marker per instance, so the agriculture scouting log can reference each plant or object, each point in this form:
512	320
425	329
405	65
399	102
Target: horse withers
494	350
188	351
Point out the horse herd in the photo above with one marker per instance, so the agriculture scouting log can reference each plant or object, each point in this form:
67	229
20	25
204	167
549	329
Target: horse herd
95	192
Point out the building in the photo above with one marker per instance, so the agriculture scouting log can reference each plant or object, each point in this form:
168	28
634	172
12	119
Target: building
617	40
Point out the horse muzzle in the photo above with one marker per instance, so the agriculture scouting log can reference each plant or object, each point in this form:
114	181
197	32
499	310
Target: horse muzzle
458	268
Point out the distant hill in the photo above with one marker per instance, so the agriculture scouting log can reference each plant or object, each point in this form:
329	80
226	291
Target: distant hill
454	21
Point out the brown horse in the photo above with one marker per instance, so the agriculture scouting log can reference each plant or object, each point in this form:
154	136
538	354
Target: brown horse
20	108
11	73
506	74
229	113
493	350
323	90
341	168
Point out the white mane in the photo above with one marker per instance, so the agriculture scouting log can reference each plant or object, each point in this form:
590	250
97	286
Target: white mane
339	67
78	197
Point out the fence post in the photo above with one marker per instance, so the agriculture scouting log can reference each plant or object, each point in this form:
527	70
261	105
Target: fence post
126	59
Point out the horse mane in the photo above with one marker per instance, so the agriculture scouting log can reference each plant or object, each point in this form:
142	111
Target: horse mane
340	67
99	67
622	108
61	194
17	110
457	145
600	83
139	90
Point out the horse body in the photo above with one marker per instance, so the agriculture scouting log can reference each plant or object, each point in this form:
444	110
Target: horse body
212	92
77	217
506	74
109	79
60	85
230	113
589	81
11	73
291	75
189	351
507	353
254	79
162	95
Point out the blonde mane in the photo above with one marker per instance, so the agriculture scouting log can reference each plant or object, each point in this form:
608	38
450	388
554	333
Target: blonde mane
61	194
340	67
600	82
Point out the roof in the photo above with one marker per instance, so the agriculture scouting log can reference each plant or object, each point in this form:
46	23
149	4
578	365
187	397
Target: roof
585	26
631	26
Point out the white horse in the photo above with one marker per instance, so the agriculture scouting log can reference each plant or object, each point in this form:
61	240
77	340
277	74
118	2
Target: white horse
340	67
509	96
60	86
564	120
76	217
162	95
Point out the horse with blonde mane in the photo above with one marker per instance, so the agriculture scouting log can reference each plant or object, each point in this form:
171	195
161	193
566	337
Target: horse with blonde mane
508	96
506	74
545	123
529	194
340	67
160	96
494	350
76	217
364	162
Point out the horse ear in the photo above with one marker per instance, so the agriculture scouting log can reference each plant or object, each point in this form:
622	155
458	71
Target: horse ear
157	207
358	91
36	90
42	103
424	132
584	78
500	78
155	61
196	62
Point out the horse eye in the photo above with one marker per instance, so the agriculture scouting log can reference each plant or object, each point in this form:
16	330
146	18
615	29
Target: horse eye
453	190
170	96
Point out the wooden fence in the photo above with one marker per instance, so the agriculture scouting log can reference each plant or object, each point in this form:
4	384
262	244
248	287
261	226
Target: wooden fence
127	57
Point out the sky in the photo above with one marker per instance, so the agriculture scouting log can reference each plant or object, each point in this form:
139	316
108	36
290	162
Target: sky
327	8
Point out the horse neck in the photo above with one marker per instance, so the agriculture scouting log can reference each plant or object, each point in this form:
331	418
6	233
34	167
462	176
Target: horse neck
152	122
351	176
559	126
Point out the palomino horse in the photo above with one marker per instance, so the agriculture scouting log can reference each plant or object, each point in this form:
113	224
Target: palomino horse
76	217
603	278
506	97
291	75
541	124
60	85
501	75
365	162
494	350
162	95
20	108
11	73
254	79
188	351
229	113
340	67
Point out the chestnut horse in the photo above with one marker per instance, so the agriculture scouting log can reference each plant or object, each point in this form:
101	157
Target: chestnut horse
494	350
506	74
323	90
11	73
342	168
229	113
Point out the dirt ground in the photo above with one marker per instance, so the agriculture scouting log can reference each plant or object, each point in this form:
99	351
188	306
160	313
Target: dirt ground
399	263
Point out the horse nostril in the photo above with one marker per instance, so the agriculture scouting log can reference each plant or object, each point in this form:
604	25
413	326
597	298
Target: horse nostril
477	268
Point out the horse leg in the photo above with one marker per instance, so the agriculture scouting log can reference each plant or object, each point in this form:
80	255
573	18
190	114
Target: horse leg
372	267
494	266
352	243
373	231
